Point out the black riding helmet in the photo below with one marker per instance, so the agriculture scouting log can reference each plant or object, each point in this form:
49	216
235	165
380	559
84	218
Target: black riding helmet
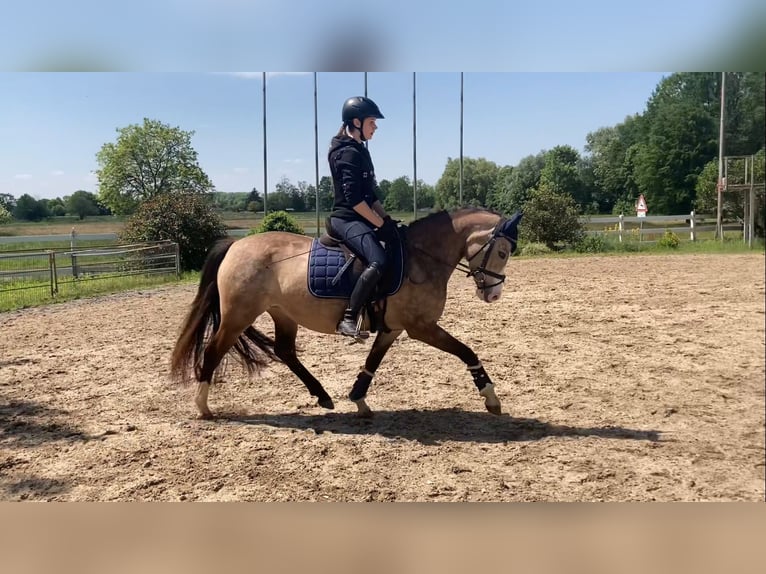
360	108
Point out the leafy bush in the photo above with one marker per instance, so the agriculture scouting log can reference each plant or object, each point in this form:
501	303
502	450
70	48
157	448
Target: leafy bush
5	215
596	243
535	249
624	206
278	221
551	218
185	218
669	239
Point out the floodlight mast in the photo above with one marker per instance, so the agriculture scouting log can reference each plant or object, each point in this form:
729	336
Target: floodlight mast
719	186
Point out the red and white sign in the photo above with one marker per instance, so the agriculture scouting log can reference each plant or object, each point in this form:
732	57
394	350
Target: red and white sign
641	208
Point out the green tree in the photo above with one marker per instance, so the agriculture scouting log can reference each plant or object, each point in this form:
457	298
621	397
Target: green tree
383	187
514	188
57	207
8	202
399	196
278	201
561	174
5	215
326	193
82	203
188	219
680	137
744	115
611	152
308	197
30	209
254	201
286	196
146	161
496	197
426	195
589	203
479	181
706	202
230	201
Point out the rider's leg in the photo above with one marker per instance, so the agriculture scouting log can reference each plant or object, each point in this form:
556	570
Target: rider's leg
363	290
360	238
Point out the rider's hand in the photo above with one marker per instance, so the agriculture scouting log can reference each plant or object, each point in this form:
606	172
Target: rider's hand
387	231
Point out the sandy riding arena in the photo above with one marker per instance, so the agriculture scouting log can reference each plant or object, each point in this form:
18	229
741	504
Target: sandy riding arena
621	378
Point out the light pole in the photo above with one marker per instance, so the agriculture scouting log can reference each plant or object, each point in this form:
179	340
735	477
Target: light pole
316	152
461	140
265	163
719	187
414	147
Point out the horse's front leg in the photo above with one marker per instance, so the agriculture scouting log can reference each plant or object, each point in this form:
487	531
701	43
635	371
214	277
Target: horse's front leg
379	349
437	337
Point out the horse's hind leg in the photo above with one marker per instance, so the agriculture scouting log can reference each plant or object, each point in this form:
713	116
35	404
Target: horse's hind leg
216	349
285	332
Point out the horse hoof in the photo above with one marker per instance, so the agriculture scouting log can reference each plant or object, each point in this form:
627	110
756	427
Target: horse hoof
208	416
326	403
363	411
494	409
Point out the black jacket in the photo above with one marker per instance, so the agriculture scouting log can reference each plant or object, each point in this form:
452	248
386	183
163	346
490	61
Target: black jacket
353	177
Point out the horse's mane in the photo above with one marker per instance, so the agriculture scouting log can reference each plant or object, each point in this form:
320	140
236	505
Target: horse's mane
439	215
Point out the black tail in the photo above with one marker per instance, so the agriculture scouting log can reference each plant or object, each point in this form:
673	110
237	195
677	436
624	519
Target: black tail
203	320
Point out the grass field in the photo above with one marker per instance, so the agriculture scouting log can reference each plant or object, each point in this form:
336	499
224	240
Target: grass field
22	294
63	225
109	224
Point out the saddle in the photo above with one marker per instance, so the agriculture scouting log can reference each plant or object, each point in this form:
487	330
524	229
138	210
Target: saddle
333	270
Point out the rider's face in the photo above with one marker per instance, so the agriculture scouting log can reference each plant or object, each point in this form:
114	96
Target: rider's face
369	126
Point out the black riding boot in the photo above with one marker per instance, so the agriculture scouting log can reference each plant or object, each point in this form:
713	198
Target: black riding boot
362	292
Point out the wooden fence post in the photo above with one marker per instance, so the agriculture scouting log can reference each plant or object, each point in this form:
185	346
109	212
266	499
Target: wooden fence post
73	248
178	260
691	226
621	226
54	273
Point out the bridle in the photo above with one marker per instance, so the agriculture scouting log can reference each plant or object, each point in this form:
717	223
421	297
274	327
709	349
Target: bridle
481	272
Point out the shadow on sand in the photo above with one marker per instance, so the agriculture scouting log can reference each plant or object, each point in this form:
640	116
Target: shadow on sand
436	426
25	424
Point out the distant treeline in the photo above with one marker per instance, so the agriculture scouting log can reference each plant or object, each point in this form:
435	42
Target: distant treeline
668	153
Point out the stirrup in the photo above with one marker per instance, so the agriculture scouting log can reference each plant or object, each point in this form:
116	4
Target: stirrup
359	336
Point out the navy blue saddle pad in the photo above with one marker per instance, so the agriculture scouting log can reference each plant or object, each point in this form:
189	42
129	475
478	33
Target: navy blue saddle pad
325	264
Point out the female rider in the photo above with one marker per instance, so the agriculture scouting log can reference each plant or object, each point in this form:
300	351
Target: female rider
357	217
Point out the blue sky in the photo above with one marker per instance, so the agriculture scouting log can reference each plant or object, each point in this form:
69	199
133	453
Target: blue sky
55	123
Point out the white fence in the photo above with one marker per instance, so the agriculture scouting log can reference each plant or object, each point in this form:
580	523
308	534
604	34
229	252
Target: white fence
691	224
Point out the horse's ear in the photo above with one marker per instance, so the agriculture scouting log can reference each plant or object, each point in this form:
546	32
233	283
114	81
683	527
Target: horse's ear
513	222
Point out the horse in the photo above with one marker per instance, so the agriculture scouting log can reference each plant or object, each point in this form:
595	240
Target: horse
267	273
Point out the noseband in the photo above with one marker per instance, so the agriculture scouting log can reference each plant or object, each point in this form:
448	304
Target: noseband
481	272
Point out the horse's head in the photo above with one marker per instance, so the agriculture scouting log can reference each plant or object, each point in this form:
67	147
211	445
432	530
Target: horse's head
487	253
